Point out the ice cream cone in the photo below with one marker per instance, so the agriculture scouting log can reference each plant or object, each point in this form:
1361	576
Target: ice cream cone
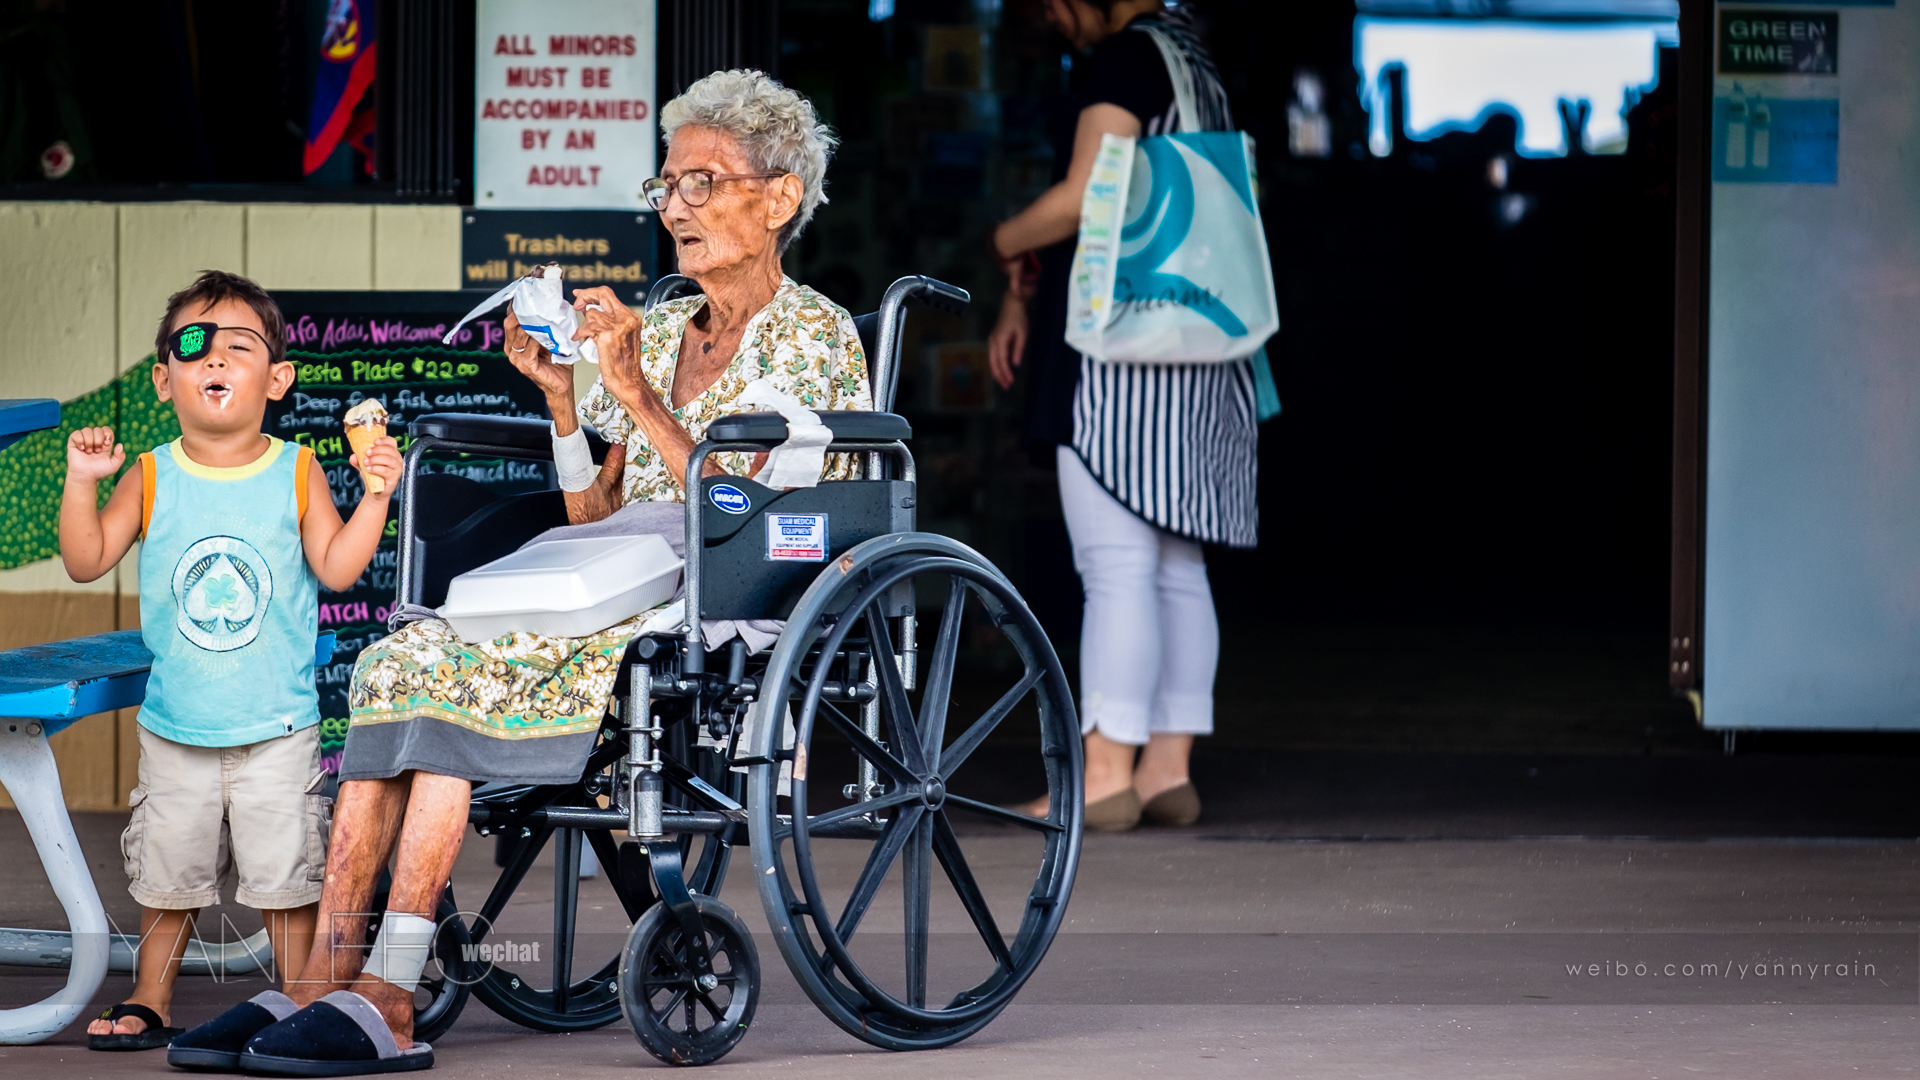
361	437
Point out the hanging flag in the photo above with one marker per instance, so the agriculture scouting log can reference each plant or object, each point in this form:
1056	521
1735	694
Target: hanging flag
346	71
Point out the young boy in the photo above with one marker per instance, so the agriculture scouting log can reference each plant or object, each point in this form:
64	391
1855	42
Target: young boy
239	531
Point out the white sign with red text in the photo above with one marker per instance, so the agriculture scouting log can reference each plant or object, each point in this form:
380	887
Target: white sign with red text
563	103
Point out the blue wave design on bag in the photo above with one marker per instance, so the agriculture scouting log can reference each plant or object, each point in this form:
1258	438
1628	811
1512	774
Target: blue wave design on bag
1138	280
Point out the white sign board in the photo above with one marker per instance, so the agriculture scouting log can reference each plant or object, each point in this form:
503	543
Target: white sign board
1813	370
563	103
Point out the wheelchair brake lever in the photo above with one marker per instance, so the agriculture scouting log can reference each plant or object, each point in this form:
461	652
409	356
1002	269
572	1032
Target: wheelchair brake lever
736	664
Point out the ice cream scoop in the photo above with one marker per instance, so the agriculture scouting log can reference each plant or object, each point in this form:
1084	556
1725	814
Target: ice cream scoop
367	422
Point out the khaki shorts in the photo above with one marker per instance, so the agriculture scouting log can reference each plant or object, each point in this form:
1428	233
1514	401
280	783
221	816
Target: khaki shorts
200	809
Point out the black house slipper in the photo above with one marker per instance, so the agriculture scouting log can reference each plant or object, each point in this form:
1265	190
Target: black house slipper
342	1034
217	1043
156	1036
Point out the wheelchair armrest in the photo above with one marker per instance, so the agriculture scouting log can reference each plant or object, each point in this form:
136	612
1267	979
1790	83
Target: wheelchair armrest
507	432
847	426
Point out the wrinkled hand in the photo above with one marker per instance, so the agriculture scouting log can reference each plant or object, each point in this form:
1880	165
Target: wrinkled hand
615	332
383	460
1007	344
531	359
93	456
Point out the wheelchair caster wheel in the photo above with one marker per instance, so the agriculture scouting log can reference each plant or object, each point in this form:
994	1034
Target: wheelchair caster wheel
681	1017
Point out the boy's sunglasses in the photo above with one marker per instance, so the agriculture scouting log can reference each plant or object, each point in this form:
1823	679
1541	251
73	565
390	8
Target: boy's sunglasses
195	340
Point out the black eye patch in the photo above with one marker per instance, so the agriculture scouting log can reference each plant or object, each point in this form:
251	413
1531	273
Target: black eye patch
192	341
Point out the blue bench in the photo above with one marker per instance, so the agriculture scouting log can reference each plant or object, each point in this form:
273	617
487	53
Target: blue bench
62	681
21	417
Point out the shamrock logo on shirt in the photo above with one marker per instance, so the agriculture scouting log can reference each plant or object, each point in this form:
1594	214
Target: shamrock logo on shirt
222	587
220	592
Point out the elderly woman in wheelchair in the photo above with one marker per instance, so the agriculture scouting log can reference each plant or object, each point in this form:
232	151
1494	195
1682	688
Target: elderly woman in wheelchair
570	740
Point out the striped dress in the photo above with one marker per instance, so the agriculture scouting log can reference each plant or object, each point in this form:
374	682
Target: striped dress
1177	444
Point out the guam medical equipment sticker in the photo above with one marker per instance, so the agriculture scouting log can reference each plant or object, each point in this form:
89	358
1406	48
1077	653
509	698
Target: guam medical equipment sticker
797	537
221	589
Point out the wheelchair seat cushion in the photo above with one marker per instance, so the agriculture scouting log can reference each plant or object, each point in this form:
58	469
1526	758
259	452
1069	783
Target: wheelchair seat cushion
770	427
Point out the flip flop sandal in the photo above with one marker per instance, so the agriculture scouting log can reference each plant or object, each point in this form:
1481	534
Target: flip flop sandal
156	1036
217	1043
342	1034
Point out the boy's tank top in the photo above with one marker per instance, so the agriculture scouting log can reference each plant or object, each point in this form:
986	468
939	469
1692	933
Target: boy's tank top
228	604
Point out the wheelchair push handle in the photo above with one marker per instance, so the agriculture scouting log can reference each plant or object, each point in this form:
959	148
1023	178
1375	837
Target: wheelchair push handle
937	294
670	287
933	292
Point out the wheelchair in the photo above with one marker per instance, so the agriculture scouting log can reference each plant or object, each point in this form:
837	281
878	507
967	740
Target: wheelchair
835	757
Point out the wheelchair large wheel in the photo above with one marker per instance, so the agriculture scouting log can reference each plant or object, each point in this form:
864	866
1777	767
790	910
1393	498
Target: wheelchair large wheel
680	1018
822	860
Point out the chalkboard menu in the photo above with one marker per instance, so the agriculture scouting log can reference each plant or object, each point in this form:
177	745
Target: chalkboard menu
350	346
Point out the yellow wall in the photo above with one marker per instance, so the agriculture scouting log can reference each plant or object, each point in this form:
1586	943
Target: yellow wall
81	294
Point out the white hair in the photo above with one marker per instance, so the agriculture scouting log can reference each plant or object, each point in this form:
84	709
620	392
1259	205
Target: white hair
776	128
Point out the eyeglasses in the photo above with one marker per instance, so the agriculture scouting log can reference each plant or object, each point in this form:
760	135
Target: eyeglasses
695	187
195	340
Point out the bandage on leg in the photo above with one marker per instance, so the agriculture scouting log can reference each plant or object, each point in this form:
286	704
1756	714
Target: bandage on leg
399	952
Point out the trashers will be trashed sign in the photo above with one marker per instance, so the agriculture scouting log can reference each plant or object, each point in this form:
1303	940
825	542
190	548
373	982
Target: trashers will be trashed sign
564	103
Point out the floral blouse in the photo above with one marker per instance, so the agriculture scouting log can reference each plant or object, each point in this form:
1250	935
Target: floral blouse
801	341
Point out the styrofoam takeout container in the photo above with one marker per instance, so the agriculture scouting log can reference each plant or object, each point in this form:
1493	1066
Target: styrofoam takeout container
563	588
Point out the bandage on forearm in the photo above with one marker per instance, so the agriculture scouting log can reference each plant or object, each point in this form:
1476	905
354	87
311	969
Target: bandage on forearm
399	952
573	460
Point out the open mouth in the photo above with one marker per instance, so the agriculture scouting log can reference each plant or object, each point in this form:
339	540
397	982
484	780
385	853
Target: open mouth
218	392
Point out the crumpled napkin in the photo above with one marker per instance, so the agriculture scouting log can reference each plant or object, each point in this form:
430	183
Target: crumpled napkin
798	462
543	312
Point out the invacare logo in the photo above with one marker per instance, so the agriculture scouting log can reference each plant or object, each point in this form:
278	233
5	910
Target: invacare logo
729	498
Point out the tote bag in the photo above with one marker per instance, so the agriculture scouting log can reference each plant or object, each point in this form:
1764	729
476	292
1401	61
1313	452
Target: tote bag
1171	265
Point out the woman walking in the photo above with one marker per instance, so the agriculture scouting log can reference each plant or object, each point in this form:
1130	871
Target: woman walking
1153	459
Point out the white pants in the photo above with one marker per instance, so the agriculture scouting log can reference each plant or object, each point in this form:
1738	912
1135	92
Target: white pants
1149	642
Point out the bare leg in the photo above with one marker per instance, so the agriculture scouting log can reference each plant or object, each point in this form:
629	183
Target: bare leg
1109	766
163	940
1163	765
366	819
429	841
291	932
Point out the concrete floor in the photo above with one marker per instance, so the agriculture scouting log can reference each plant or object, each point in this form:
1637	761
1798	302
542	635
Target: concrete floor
1244	952
1410	835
